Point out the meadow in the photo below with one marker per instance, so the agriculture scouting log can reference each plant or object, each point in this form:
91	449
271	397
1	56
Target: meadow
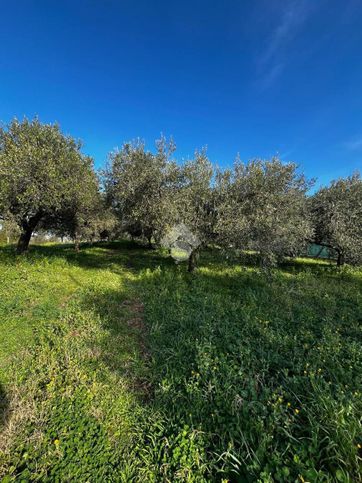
118	365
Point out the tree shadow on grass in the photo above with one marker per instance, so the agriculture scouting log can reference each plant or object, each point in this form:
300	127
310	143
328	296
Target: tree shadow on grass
114	256
130	255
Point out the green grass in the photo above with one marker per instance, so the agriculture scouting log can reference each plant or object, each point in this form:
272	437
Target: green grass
118	365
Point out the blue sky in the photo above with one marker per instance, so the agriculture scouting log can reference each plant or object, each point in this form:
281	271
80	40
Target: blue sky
258	77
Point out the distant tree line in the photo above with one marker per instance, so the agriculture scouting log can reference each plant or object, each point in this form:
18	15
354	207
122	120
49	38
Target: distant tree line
47	183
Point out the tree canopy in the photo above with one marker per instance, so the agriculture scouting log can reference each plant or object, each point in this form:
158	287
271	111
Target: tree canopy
263	208
137	185
193	200
42	172
337	218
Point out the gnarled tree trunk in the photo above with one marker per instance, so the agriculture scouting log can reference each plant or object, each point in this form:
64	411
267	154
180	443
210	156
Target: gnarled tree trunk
192	261
28	227
24	239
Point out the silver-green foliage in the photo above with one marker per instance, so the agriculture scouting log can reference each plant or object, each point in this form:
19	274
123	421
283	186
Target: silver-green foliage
195	196
81	217
42	171
138	185
262	207
337	216
195	202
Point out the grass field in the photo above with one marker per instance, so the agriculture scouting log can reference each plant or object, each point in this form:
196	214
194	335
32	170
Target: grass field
118	365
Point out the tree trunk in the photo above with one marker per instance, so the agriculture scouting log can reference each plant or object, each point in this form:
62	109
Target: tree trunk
76	244
28	227
149	239
192	261
24	239
340	259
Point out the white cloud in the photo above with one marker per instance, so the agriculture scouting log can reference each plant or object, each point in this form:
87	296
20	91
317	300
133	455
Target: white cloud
291	17
354	145
270	76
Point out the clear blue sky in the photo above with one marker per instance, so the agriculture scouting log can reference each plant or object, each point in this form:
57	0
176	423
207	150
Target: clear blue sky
258	77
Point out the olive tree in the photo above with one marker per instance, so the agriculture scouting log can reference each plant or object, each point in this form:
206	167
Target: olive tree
262	207
41	172
193	206
104	223
137	186
337	218
78	217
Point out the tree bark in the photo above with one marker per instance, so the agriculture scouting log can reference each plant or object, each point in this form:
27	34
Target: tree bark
340	259
28	227
24	239
76	244
192	261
